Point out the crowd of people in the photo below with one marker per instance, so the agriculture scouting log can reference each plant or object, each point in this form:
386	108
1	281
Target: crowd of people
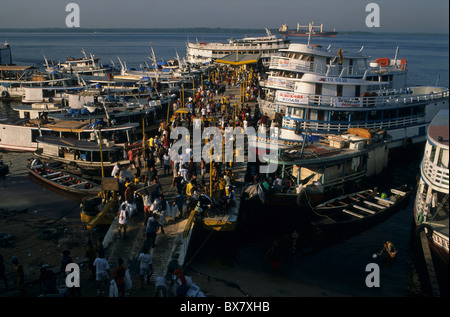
148	164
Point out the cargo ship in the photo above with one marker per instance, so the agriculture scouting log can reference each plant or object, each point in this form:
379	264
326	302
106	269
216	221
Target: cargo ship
306	30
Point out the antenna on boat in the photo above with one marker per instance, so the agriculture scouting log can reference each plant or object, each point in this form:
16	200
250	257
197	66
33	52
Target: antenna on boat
395	57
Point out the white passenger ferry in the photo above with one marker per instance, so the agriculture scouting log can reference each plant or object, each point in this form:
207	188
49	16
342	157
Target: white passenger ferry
267	46
329	90
431	204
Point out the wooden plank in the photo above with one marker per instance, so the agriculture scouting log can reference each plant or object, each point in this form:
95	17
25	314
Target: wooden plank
364	209
77	184
352	213
61	177
384	200
398	192
374	205
51	174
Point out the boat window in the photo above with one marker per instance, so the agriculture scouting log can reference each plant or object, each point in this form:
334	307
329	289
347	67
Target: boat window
390	114
442	158
339	90
404	112
359	116
432	153
339	115
374	115
357	90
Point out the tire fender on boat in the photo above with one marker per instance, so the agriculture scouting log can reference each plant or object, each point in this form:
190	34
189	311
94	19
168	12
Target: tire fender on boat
423	226
5	94
407	142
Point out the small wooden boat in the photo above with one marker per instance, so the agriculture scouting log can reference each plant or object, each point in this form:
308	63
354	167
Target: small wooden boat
359	209
62	179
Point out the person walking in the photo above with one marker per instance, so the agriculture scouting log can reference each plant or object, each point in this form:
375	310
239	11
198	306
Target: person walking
145	266
19	276
101	271
123	219
152	229
166	159
119	277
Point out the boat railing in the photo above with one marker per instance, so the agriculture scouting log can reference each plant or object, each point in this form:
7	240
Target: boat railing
388	98
344	126
437	175
295	65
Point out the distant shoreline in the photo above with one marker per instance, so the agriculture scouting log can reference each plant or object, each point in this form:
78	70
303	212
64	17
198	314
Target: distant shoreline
192	30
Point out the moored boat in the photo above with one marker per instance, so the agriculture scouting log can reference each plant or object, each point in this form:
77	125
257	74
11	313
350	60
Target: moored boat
356	211
431	208
329	162
86	155
329	90
306	30
267	46
63	180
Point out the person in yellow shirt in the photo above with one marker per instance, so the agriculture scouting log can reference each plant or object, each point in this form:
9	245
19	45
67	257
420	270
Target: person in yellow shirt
151	144
189	188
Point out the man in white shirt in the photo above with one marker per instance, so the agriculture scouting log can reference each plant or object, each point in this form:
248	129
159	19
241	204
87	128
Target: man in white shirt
101	271
145	266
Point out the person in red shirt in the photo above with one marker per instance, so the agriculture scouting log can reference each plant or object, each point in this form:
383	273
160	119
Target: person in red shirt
179	278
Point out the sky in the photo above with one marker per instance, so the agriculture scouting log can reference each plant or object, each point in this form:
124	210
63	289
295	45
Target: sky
430	16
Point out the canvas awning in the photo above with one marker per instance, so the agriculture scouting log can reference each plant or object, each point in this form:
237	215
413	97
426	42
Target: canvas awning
239	59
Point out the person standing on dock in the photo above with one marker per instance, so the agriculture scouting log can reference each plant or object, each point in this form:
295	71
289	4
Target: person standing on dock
102	271
145	266
123	217
19	276
152	229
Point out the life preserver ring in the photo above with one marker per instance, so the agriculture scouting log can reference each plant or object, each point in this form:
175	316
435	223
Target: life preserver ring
390	249
424	226
407	142
5	94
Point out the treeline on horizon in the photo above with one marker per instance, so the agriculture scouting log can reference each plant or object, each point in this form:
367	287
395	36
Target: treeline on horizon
185	30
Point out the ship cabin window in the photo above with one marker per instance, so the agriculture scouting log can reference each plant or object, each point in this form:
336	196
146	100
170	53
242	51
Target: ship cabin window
432	153
339	116
374	115
390	114
359	116
443	158
297	112
357	90
404	112
339	90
